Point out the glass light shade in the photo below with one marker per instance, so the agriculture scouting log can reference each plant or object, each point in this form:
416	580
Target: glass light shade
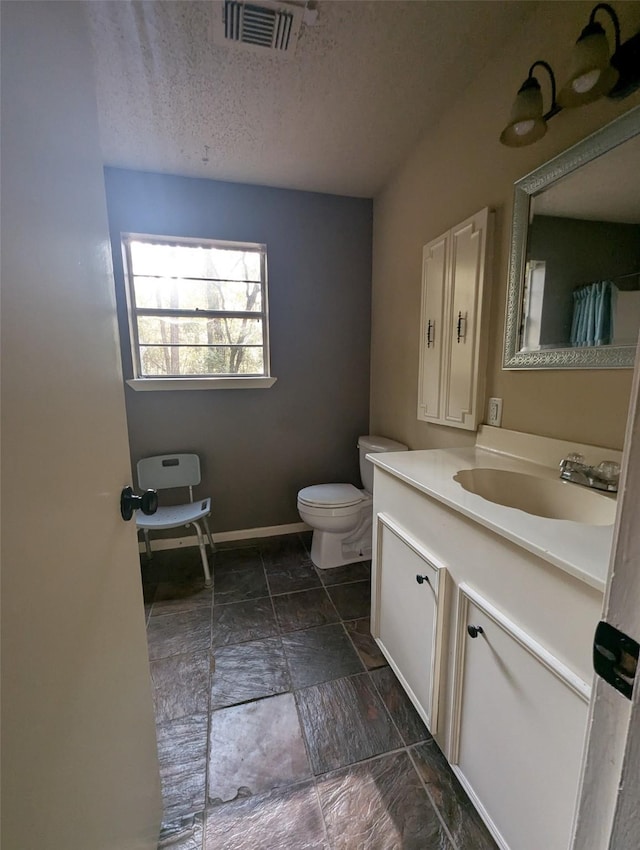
526	124
592	74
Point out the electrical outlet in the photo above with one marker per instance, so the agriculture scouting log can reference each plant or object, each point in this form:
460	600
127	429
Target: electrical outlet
495	412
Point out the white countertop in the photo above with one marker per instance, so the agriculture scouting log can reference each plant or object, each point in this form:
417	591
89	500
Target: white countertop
579	549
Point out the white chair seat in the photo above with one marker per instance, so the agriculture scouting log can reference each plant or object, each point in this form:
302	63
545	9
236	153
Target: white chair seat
174	515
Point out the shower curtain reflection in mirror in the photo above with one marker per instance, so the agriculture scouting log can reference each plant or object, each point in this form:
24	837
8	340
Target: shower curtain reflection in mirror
592	314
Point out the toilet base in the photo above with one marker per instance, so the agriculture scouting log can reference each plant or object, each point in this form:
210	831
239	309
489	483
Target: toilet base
329	550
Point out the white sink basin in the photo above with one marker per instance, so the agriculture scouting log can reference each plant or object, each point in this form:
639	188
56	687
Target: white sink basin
545	497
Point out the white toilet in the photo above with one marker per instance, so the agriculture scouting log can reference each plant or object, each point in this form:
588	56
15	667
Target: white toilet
340	514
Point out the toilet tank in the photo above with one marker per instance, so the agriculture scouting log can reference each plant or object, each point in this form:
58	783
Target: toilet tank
370	445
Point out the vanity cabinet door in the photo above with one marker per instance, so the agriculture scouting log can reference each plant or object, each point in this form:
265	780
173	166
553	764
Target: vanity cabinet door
407	614
454	314
517	730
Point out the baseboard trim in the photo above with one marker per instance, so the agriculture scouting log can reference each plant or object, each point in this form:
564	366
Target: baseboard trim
160	543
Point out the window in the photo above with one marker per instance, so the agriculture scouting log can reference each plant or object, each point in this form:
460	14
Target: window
533	298
197	309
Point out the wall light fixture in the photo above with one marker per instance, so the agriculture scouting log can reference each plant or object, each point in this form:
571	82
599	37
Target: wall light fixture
527	123
593	73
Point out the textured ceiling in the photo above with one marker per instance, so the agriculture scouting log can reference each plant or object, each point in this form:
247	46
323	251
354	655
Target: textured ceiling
367	79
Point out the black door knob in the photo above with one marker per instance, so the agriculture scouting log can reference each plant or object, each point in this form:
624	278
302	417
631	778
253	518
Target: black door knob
422	579
474	631
129	502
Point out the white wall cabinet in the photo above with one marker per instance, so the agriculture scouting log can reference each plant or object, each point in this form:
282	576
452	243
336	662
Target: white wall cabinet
454	315
408	598
509	707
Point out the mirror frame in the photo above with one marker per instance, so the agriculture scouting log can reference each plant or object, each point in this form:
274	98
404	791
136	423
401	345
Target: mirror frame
596	357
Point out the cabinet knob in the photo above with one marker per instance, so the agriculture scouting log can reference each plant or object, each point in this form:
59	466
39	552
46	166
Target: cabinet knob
422	579
474	631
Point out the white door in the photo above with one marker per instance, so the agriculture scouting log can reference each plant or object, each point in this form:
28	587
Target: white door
607	814
433	335
407	614
517	729
79	763
465	356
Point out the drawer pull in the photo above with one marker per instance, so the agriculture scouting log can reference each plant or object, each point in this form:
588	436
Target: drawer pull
422	579
461	326
430	327
474	631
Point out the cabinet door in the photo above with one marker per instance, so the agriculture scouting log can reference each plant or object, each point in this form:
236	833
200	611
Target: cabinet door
517	730
433	327
406	620
464	358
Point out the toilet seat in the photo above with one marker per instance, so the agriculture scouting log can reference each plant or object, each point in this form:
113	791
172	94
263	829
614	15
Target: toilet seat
331	496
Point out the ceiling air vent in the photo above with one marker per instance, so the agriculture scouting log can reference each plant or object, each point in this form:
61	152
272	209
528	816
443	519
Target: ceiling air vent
259	27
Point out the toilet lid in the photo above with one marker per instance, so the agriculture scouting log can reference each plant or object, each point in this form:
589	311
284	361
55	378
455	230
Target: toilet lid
330	495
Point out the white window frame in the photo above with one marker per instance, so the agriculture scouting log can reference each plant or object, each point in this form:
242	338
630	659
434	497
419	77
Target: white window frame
533	298
194	382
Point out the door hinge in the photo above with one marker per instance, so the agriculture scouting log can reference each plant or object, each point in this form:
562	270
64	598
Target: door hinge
615	658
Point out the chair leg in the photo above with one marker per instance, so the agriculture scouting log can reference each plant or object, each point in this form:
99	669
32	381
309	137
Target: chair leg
203	555
208	530
147	543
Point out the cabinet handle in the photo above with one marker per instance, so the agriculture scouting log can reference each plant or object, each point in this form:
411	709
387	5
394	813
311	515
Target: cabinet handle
430	327
474	631
422	579
461	326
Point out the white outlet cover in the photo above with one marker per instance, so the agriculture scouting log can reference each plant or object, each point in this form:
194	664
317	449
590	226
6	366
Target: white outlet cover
495	412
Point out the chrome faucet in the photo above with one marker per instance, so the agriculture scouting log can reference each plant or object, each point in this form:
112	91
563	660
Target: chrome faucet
604	476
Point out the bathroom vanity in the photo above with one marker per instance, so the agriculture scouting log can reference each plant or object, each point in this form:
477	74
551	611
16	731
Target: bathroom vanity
486	613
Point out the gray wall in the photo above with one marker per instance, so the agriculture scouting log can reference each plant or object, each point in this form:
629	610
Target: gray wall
577	252
259	447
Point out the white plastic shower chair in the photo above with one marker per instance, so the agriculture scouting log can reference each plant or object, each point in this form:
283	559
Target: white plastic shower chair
164	472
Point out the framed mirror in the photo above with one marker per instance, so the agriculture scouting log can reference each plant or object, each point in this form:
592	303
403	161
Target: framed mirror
574	271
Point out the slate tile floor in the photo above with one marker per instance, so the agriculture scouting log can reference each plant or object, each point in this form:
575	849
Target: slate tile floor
280	725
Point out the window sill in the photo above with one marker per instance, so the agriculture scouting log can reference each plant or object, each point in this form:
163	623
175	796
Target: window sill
152	384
